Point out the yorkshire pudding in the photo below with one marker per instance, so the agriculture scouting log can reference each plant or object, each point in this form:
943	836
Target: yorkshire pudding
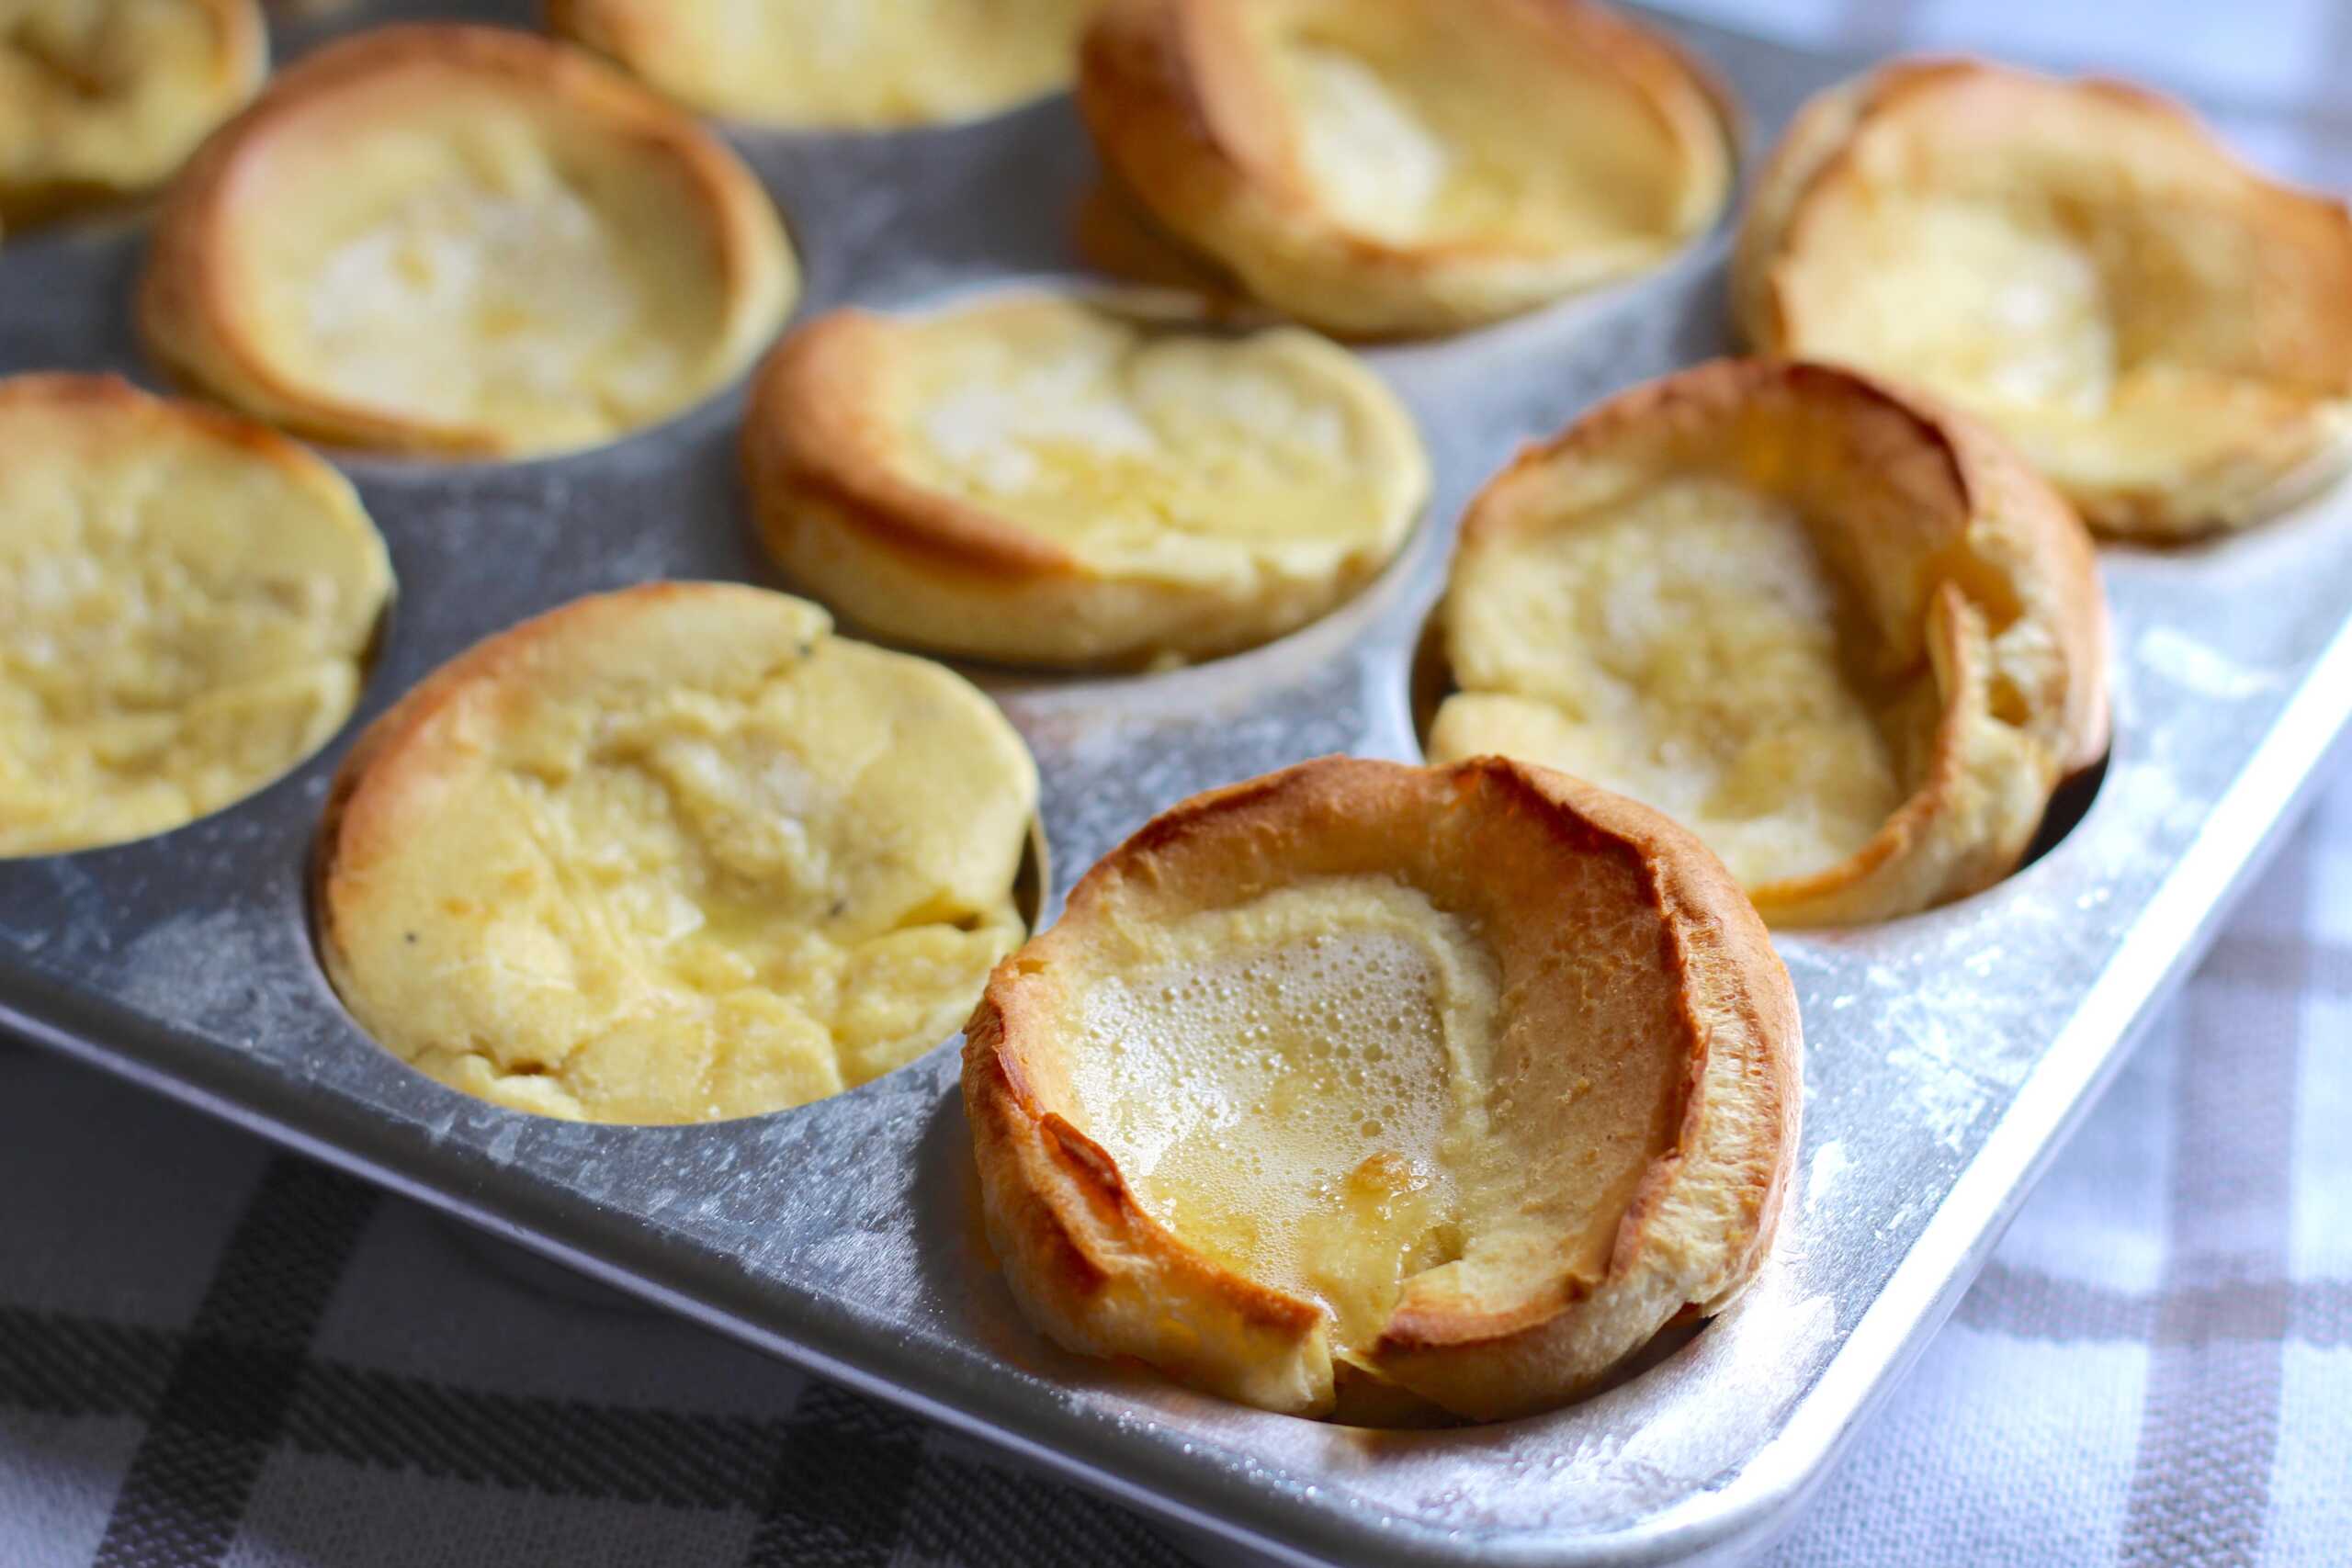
466	242
1850	642
868	63
1387	1092
187	599
1394	166
103	98
2165	334
673	855
1065	481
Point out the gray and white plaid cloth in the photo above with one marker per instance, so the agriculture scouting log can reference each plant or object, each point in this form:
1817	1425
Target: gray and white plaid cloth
211	1354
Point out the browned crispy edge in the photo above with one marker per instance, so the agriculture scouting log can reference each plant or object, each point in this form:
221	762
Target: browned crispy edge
1820	150
810	432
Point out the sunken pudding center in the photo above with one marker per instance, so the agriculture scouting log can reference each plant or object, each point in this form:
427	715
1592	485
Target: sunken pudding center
2088	329
1424	131
1686	647
1139	448
2023	316
1293	1088
475	272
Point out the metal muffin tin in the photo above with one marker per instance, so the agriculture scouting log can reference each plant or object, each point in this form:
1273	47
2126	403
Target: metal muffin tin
1946	1054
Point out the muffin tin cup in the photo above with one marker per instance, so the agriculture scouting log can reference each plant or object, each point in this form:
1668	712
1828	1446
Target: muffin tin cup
1947	1052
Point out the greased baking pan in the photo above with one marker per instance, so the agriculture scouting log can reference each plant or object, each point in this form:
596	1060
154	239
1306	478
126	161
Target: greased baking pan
1946	1054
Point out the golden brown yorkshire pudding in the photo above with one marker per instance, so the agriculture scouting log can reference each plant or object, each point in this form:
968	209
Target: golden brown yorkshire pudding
463	241
2165	334
853	63
102	98
673	853
1850	642
1392	166
186	603
1386	1091
1073	481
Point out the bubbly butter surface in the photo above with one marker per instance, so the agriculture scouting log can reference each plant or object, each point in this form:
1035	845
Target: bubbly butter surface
182	619
693	888
1161	450
1683	648
1297	1086
463	266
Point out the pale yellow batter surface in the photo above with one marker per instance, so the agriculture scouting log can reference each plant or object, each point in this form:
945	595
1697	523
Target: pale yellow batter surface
1297	1086
1417	125
1159	449
184	604
459	266
110	95
839	63
2025	316
2090	336
1683	648
676	854
2159	329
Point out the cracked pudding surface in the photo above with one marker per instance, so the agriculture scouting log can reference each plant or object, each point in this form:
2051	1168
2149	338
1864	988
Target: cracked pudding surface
670	854
187	601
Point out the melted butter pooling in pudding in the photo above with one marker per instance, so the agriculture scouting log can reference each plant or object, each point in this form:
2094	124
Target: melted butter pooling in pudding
1300	1095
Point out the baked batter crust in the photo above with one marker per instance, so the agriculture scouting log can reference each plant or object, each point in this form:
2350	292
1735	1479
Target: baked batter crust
846	64
2164	332
674	853
1387	1093
1848	639
1397	166
187	600
466	242
1065	481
